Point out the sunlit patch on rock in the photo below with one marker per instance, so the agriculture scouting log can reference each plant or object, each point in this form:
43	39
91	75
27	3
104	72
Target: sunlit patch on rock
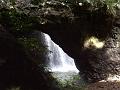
93	42
112	78
80	4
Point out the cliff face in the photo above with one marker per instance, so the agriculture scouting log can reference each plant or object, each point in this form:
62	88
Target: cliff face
21	63
92	62
98	63
69	26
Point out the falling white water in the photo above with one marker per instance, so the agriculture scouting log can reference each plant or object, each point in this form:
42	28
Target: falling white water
59	61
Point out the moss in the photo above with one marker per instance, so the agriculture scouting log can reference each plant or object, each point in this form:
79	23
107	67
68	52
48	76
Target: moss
35	48
36	2
95	4
69	81
17	23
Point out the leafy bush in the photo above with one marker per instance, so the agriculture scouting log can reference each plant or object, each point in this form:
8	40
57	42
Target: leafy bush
96	4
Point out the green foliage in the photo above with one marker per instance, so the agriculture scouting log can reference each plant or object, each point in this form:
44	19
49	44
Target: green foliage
69	81
111	5
22	27
12	2
35	48
36	2
14	88
18	22
95	4
30	43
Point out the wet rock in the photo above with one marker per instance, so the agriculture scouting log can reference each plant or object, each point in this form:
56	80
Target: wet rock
18	68
98	64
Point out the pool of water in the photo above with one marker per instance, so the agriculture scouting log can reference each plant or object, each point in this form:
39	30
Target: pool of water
69	80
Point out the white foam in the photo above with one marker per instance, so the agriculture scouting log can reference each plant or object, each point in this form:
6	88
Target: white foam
64	62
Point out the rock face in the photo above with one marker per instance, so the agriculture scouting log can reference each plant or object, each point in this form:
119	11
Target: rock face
18	69
69	27
94	64
71	38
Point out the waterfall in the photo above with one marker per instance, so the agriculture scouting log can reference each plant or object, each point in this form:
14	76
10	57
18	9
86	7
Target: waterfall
58	60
